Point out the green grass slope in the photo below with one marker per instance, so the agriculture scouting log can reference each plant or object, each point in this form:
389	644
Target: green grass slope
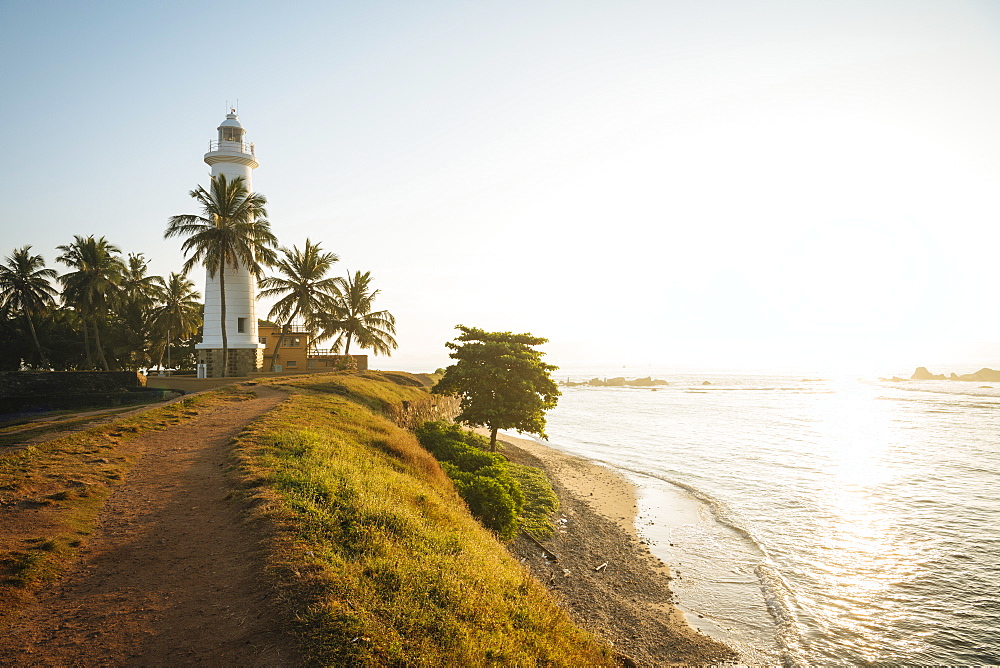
377	556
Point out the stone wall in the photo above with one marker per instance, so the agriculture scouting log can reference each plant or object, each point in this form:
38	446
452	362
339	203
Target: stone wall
412	414
39	383
31	391
336	362
242	361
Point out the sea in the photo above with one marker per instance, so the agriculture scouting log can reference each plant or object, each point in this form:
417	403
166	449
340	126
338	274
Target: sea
810	520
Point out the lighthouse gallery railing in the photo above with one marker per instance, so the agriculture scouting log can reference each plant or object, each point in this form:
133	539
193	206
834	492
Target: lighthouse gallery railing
231	146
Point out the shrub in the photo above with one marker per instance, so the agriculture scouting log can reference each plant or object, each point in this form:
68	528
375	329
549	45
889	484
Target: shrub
502	496
451	443
489	500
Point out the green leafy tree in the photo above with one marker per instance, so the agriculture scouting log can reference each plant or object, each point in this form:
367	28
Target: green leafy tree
501	381
12	342
304	288
93	287
25	289
230	231
60	335
350	317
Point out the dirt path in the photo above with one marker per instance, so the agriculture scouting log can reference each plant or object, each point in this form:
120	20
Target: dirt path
170	575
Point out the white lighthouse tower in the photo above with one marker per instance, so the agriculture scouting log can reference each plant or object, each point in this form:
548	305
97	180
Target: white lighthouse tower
232	156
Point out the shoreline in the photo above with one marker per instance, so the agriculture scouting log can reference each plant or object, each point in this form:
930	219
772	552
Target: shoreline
606	576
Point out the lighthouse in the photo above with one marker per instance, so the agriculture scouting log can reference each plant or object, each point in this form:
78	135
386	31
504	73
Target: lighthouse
230	155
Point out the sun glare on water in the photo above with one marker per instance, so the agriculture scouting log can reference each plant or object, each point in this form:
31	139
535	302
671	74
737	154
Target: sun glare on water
861	557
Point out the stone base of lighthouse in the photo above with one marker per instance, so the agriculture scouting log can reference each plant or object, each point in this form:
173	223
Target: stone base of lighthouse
242	361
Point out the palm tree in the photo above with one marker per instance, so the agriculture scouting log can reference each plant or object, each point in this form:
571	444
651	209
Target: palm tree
139	293
138	287
230	232
91	289
350	317
179	314
24	287
305	288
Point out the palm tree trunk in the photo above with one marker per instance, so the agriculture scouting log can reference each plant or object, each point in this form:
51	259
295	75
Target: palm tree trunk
347	345
281	337
34	335
163	351
493	439
86	341
222	303
274	355
100	351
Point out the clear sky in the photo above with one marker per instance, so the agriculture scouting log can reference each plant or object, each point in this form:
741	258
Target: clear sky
772	182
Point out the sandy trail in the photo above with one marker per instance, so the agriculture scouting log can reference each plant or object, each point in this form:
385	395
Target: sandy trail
171	575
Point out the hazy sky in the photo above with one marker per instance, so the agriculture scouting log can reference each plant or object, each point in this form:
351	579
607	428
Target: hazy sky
641	182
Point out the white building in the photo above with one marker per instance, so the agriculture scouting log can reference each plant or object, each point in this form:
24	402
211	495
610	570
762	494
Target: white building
232	156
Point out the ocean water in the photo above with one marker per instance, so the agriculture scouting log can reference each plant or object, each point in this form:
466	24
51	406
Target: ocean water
813	521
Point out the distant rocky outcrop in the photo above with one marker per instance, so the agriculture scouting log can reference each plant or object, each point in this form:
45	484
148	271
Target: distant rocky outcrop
648	381
620	381
984	375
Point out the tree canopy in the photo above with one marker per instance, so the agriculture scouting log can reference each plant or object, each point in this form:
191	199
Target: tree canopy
304	290
350	317
91	288
25	289
109	311
501	381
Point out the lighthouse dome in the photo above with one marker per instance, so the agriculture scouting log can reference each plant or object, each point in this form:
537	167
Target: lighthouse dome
232	121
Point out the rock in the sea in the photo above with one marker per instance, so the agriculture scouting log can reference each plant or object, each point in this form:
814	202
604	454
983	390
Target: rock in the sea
620	381
984	375
648	381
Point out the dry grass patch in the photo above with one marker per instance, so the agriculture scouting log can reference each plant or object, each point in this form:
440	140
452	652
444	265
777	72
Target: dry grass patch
52	492
377	556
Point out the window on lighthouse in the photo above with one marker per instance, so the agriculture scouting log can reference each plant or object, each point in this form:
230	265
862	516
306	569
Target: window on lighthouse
230	134
241	325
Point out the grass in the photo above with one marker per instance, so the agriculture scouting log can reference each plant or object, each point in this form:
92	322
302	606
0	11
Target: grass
17	432
57	488
16	419
540	500
376	390
378	558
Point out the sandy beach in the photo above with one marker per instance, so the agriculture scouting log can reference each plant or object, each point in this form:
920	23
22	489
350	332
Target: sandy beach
605	575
